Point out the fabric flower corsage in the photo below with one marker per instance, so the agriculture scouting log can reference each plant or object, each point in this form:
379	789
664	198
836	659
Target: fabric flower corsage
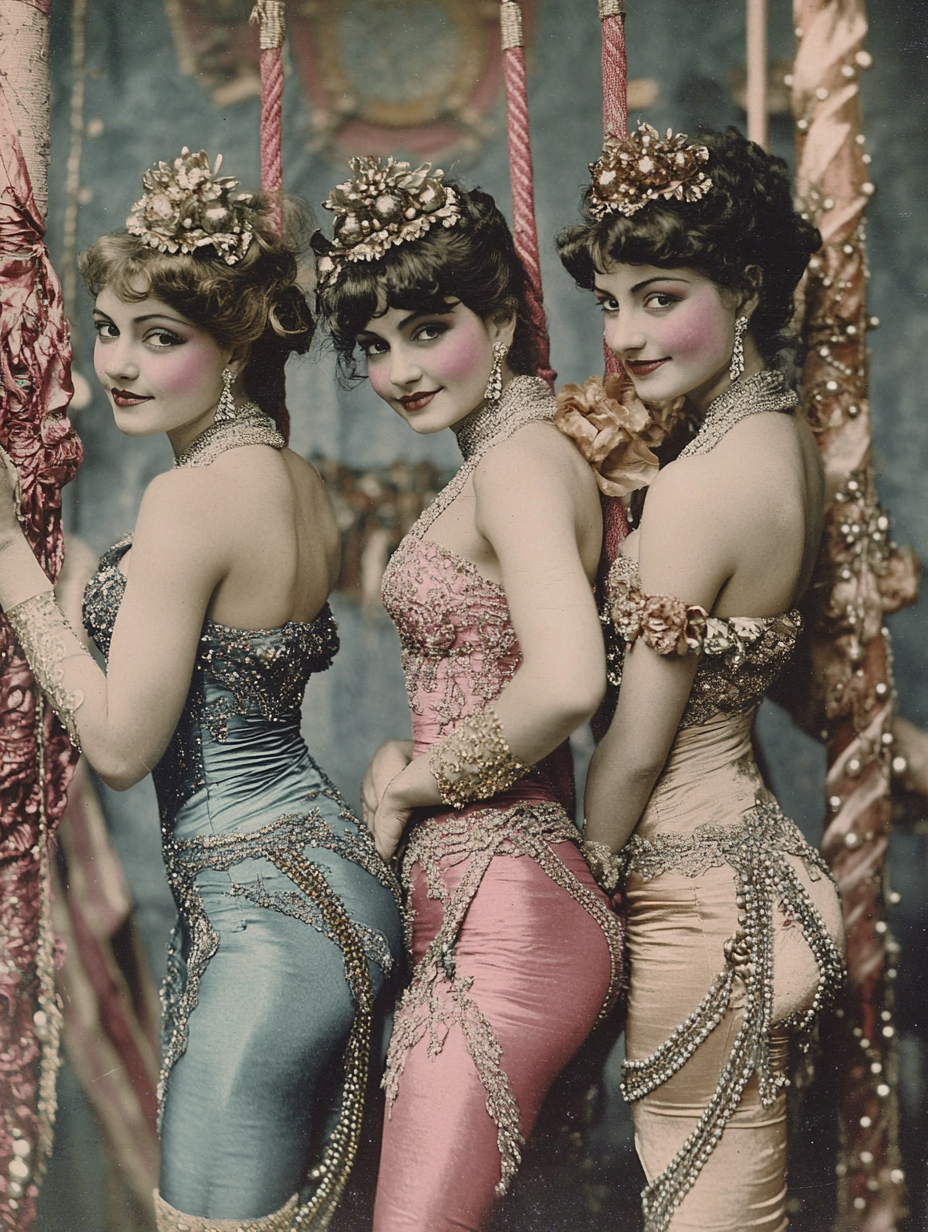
615	431
663	622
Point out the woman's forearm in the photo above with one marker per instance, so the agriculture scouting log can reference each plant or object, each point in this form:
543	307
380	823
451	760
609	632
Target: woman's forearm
614	798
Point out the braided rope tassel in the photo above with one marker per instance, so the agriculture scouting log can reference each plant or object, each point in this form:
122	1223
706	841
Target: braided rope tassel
268	15
525	232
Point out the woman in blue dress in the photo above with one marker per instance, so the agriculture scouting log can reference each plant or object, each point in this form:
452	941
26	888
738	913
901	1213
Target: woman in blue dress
212	618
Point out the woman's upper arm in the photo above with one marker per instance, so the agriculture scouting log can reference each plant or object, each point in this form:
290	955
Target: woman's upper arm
176	564
533	507
684	553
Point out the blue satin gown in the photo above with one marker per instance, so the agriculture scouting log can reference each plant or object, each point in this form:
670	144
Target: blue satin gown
287	925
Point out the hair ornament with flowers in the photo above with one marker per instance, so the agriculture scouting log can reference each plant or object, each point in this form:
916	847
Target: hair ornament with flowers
633	170
187	206
384	203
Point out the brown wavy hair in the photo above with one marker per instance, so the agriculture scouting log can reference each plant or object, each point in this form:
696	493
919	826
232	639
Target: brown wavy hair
746	219
257	303
474	262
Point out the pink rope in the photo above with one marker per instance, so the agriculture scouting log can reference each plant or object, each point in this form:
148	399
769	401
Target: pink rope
615	120
615	76
521	174
272	168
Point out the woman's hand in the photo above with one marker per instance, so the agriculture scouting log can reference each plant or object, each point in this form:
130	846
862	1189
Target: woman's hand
11	494
389	823
391	758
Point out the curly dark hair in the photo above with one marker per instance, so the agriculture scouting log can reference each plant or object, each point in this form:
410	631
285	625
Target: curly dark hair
474	262
257	303
746	219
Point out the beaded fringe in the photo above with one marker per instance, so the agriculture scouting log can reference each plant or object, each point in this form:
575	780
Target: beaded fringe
755	848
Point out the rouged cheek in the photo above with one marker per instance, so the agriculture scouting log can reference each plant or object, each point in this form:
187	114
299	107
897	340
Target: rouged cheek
188	368
460	353
379	377
698	333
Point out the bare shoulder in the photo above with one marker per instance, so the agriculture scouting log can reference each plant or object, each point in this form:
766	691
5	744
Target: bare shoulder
535	453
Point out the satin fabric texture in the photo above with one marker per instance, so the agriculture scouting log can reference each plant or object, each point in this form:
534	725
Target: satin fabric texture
540	963
676	930
257	1004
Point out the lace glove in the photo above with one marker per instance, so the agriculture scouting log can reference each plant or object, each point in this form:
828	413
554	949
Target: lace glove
48	641
475	762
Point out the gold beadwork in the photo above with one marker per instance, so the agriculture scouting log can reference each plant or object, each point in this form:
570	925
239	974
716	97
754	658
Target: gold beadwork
43	633
475	762
633	170
756	848
605	865
168	1219
186	206
384	203
250	426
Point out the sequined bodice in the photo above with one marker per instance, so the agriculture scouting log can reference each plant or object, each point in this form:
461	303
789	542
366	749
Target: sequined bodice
459	646
250	678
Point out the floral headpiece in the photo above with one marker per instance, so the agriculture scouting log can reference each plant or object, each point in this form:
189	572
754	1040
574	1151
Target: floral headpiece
634	170
615	431
384	203
186	206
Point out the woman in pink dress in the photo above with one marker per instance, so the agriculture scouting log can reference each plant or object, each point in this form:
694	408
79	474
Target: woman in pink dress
516	951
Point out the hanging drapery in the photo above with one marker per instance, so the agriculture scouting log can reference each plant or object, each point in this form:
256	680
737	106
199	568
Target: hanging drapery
864	576
35	389
524	228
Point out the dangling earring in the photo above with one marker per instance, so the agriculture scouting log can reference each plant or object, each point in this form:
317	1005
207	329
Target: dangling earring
226	407
736	367
494	389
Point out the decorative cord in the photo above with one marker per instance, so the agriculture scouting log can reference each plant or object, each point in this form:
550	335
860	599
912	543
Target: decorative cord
524	228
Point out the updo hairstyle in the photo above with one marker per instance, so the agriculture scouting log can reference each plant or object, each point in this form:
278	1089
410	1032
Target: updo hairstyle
257	303
746	219
474	262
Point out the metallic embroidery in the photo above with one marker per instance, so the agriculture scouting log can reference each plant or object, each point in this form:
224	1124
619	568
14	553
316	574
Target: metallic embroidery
261	672
437	996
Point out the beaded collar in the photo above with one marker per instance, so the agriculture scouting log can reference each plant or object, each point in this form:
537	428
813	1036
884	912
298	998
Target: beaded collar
525	399
763	392
249	427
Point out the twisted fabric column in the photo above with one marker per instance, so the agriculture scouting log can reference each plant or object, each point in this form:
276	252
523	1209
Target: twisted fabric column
864	576
521	174
37	758
615	121
270	19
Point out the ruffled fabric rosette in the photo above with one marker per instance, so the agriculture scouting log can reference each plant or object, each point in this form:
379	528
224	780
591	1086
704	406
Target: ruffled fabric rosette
384	203
615	431
663	622
187	206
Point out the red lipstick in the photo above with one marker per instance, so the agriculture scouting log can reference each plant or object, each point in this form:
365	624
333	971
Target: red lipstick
416	401
642	367
123	397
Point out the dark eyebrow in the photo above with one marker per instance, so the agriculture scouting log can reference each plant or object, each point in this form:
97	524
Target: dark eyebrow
660	278
150	316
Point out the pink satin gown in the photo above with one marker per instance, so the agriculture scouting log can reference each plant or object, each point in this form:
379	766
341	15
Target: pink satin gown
516	951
